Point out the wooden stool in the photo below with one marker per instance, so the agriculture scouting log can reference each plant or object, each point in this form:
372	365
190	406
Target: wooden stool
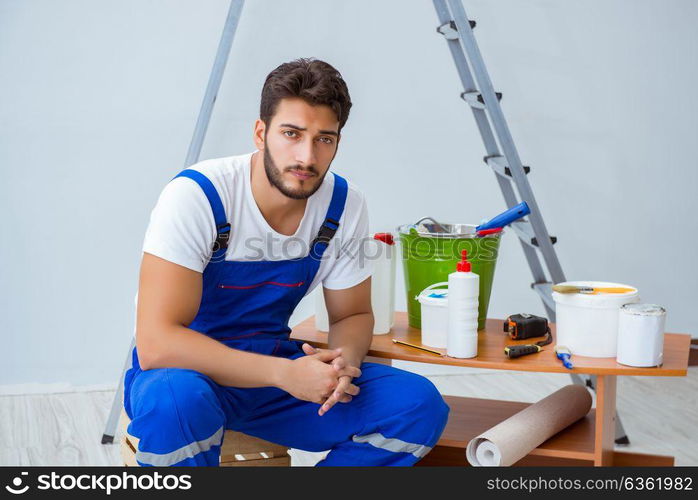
238	449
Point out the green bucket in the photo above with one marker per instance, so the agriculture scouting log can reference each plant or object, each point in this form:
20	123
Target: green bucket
430	253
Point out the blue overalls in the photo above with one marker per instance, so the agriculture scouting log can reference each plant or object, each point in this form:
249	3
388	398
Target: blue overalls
180	415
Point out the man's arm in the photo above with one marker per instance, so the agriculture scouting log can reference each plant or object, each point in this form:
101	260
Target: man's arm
168	301
351	329
351	321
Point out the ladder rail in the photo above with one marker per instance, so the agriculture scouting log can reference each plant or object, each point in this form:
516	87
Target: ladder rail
490	142
214	82
470	47
464	49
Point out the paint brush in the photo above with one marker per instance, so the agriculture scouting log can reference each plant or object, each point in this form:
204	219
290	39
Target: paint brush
395	341
590	289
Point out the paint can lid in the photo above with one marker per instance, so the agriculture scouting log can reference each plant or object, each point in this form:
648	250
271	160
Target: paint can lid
434	295
643	309
597	301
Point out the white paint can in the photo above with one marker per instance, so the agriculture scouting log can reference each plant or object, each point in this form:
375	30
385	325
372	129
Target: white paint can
588	323
434	307
641	335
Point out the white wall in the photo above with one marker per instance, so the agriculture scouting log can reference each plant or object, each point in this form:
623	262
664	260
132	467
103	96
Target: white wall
98	101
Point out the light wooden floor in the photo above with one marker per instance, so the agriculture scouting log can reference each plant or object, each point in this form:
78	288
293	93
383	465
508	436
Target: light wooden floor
660	414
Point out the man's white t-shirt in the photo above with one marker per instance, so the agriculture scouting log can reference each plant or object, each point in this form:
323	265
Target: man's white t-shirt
182	228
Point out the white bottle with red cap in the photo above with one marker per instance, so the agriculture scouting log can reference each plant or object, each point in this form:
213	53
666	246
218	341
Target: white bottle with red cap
380	253
463	291
383	283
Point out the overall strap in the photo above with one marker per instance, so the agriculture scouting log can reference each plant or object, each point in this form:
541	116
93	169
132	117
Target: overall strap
222	225
334	213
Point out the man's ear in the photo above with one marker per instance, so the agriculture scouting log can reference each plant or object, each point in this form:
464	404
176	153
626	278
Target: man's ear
336	147
258	133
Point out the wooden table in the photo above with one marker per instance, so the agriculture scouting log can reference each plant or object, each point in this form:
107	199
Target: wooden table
589	441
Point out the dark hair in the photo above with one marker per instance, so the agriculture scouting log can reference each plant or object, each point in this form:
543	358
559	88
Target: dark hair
314	81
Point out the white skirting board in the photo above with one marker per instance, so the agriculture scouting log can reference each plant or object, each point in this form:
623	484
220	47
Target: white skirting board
53	388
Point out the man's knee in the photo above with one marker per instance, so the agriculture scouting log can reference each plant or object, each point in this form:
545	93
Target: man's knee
176	398
409	395
407	407
425	400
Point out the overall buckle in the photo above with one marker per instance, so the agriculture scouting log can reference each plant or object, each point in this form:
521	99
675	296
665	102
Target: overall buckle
327	231
223	237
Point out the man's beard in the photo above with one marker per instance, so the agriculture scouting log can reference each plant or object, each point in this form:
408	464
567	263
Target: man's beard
274	175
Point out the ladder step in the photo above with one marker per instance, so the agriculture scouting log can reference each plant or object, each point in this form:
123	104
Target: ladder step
474	98
499	165
450	31
553	240
545	290
525	232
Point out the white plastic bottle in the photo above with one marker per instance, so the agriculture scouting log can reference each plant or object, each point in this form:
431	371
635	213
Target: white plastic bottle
382	250
463	291
383	283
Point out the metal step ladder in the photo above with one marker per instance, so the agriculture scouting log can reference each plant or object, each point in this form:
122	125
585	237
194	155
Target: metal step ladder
503	158
484	102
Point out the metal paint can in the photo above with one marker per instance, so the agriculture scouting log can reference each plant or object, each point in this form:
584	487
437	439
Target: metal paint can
641	335
587	323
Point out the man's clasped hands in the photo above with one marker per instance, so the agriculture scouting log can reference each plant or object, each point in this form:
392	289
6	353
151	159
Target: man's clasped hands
322	376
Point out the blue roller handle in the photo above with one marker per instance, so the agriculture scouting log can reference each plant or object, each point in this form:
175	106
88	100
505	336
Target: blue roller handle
506	218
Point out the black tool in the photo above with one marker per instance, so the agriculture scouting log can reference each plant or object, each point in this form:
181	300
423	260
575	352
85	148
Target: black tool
524	326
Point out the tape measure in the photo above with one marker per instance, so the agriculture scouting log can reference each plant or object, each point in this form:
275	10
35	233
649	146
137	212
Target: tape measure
524	326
